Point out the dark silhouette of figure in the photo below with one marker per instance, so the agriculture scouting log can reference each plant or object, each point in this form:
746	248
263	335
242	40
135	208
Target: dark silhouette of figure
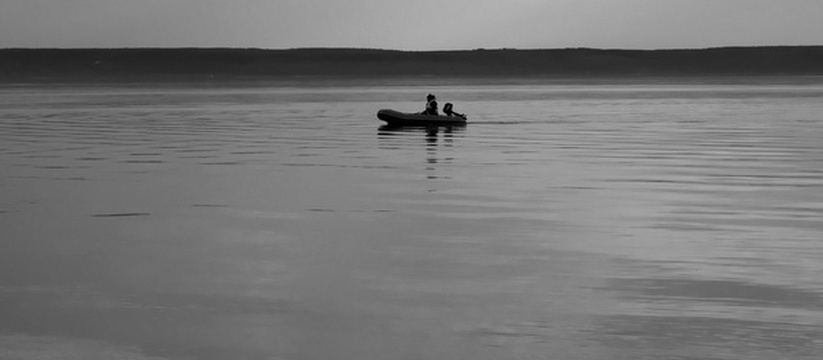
431	105
447	109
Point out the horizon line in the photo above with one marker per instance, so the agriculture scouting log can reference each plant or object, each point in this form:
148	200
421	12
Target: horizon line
343	48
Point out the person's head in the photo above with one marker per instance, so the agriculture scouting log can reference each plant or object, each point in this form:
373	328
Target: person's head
430	97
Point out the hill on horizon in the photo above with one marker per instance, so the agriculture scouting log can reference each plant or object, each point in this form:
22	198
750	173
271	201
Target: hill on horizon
91	64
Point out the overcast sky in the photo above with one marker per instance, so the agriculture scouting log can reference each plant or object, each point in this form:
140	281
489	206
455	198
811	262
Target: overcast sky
410	25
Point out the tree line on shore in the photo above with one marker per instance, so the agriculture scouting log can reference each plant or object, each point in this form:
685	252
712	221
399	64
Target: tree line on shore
23	64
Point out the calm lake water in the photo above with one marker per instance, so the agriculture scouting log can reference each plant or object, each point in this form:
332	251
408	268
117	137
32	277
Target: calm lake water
654	219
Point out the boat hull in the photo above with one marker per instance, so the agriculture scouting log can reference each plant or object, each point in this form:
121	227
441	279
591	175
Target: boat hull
397	118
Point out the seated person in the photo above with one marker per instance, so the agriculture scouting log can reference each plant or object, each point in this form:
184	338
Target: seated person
448	110
431	105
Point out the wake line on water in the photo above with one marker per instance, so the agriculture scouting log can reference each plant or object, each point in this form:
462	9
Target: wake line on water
501	122
116	215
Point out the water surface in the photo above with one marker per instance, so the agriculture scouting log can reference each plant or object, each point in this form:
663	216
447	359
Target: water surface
654	219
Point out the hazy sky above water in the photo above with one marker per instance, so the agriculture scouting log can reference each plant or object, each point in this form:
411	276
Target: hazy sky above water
410	25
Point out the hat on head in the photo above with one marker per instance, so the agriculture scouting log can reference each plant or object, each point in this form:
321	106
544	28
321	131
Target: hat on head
430	96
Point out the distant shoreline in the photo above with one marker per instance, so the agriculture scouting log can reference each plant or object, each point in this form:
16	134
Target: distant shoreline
205	64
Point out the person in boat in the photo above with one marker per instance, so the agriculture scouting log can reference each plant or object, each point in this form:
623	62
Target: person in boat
431	105
448	110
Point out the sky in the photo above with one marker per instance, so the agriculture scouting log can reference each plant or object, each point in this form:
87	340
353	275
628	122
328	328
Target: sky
410	25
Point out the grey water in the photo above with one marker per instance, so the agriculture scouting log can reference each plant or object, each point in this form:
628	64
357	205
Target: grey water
597	219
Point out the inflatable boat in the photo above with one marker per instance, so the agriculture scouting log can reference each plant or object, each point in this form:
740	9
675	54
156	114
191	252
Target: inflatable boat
396	118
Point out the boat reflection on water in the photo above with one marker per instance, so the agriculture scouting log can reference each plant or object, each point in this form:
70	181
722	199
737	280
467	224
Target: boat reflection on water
431	132
391	129
438	143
